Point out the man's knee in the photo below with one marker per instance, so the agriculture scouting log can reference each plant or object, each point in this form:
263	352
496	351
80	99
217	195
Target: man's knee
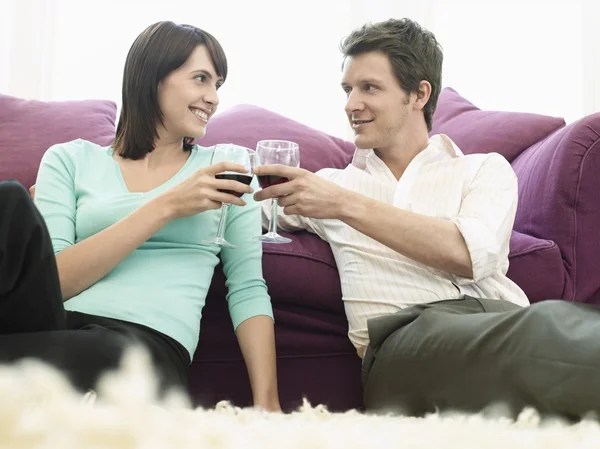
554	308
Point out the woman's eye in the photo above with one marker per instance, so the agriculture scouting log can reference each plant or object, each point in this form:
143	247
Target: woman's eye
201	78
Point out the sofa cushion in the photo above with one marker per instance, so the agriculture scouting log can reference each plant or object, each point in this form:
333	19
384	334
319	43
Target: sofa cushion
304	286
246	124
478	131
536	266
302	276
28	128
558	200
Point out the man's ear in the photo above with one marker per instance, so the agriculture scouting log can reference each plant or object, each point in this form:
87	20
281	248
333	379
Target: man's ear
32	191
423	94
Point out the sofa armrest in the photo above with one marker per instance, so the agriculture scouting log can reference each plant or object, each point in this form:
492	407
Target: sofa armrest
559	200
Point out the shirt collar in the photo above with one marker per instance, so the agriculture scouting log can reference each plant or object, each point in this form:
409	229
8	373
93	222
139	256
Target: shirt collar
440	147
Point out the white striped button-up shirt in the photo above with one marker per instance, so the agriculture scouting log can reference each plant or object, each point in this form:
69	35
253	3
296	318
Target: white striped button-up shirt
477	192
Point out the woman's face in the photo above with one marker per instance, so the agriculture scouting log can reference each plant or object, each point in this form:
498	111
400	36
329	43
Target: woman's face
188	97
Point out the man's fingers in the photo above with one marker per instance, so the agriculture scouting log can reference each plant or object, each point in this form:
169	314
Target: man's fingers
276	191
284	171
288	201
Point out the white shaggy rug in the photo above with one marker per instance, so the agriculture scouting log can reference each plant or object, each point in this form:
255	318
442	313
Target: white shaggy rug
38	409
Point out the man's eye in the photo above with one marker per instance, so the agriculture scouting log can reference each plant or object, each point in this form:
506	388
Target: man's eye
370	87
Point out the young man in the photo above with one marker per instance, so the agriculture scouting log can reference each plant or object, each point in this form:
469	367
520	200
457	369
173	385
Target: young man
421	234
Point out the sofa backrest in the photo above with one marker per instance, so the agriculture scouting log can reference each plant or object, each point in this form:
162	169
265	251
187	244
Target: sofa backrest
28	128
559	200
246	124
479	131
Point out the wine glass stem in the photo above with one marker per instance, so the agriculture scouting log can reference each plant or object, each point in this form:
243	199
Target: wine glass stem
222	221
274	216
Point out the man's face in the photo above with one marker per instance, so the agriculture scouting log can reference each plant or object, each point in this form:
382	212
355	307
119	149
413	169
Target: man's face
378	109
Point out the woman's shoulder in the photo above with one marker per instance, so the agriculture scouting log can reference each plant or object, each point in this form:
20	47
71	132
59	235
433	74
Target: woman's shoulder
77	147
77	151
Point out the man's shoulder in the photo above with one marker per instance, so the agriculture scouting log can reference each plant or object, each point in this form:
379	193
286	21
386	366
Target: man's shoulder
331	174
453	154
487	161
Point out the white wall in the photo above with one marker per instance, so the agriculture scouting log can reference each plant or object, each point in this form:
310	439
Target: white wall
528	55
525	56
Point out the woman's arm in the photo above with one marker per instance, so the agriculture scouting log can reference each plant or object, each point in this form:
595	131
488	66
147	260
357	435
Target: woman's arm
249	303
256	337
83	264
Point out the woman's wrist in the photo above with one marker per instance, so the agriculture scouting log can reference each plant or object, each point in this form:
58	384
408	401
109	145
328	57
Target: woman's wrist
269	403
163	208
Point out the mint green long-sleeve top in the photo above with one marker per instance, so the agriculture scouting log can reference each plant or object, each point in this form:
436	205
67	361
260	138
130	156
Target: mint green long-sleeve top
163	284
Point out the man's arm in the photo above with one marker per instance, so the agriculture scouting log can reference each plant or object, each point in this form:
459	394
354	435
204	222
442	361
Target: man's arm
434	242
469	246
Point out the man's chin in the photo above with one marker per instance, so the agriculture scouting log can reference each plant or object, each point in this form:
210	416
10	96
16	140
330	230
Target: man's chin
362	143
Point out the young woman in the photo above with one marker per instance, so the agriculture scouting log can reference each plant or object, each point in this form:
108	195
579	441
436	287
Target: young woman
112	254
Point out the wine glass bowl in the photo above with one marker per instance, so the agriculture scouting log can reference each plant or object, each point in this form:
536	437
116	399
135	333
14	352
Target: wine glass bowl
238	155
275	152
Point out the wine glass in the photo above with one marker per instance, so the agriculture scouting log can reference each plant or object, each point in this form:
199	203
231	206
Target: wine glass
275	152
229	152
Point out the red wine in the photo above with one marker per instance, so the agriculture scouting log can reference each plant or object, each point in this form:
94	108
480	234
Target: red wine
271	180
244	179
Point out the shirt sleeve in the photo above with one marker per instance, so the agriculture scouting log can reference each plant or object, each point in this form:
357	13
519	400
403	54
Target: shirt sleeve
247	294
487	216
55	195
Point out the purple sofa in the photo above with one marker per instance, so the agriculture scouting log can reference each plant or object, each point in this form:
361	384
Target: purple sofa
555	249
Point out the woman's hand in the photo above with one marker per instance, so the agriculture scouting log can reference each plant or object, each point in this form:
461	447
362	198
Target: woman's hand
202	191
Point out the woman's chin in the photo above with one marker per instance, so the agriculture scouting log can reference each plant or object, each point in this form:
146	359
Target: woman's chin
197	133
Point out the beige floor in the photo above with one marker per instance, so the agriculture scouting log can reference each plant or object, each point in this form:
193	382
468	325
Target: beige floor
39	410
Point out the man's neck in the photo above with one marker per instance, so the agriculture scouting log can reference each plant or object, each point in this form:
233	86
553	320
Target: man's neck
400	155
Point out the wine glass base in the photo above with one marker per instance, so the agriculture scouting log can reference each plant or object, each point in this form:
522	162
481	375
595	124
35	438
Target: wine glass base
219	242
273	237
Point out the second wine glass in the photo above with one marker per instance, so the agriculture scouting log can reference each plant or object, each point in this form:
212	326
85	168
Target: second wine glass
275	152
239	155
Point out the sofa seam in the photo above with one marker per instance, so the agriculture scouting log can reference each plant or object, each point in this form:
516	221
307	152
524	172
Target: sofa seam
575	207
535	249
302	256
289	356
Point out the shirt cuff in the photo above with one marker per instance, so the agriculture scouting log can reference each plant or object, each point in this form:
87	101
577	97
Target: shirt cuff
249	309
482	246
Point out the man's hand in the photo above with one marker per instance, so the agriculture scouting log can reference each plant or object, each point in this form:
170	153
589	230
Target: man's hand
305	194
